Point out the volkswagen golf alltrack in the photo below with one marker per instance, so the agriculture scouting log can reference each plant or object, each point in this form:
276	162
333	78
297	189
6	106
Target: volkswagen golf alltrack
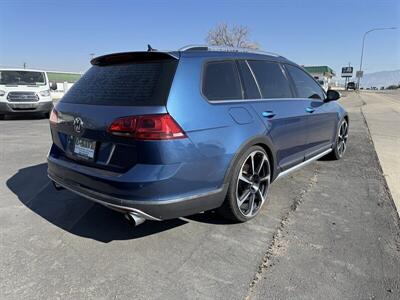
159	135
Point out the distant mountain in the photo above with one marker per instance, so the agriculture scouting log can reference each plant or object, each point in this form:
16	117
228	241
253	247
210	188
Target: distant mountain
378	79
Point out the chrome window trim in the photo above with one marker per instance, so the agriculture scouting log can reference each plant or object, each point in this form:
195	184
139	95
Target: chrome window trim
254	77
252	100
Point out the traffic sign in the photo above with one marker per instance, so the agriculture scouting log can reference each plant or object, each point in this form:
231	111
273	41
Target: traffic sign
347	71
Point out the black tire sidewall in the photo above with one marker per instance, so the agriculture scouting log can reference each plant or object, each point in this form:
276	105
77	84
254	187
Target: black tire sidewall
231	195
335	150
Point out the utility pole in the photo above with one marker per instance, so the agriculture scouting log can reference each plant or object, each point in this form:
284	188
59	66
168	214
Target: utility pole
362	50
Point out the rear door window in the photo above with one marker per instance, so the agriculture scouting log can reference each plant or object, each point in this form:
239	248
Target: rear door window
271	79
221	81
251	90
305	85
129	84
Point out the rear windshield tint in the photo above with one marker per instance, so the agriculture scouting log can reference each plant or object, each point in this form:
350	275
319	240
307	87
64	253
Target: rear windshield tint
131	84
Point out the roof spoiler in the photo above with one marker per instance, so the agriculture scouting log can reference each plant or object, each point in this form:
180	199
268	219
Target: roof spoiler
124	57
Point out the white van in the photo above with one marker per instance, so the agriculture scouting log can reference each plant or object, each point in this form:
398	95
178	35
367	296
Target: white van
24	91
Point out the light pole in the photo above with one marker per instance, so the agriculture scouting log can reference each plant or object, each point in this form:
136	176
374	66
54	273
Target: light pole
362	49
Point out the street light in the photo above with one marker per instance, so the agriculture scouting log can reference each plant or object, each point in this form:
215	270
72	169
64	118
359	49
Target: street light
362	49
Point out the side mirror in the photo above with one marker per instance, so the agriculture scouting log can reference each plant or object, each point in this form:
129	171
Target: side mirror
332	95
53	86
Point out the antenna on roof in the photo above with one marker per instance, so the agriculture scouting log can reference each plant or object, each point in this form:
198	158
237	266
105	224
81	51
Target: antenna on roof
150	49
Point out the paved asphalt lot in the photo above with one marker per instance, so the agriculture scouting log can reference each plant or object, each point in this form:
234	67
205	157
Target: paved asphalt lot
329	232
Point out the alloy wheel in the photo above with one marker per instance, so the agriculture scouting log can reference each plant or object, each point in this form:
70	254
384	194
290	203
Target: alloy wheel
253	183
342	138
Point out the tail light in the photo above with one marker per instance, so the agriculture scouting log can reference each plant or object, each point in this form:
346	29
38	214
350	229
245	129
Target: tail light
53	116
147	127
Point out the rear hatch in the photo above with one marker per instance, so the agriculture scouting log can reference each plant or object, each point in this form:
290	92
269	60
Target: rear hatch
116	86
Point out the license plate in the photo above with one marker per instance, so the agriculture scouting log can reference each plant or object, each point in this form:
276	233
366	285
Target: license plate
84	148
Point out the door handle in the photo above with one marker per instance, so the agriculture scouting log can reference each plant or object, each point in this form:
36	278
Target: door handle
268	114
310	109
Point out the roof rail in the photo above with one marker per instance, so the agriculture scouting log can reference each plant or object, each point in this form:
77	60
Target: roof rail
194	48
225	49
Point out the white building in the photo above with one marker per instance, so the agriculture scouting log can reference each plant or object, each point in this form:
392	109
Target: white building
323	74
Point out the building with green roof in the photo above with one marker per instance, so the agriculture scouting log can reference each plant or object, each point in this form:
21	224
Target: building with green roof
325	70
323	74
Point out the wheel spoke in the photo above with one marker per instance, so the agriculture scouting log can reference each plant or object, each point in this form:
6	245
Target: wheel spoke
252	163
245	179
251	204
259	168
260	195
265	178
339	146
244	197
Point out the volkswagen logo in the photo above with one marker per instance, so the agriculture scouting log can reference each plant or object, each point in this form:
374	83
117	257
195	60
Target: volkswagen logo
78	125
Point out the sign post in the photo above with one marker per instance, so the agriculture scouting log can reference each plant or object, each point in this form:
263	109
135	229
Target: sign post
347	72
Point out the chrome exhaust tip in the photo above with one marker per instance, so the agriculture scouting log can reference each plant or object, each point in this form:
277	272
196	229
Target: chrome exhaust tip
134	219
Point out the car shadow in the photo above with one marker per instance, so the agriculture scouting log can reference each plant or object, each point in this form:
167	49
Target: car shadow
76	214
210	217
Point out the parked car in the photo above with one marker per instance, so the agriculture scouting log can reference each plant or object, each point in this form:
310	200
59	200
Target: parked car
160	135
351	85
24	91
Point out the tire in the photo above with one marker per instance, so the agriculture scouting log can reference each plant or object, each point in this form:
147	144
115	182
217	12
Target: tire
248	186
2	117
47	115
340	145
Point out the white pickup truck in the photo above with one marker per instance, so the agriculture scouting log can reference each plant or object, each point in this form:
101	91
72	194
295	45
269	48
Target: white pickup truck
24	91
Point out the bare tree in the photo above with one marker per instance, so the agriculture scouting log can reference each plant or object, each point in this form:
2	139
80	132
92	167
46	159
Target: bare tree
232	36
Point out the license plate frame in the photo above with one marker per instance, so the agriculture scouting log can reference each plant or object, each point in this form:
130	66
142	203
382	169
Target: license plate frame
84	148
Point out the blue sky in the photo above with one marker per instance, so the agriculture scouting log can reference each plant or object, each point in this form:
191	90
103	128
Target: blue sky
59	35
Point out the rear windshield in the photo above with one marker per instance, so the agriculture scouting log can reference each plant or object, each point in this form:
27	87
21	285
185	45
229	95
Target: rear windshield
131	84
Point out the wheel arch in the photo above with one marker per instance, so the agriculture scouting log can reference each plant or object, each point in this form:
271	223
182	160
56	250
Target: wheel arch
262	141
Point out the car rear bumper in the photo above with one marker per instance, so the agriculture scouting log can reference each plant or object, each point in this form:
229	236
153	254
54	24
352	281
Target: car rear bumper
152	208
32	107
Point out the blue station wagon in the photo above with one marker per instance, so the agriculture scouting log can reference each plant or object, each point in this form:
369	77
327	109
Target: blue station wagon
164	134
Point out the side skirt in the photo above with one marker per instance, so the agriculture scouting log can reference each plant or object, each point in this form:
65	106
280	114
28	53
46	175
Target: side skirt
304	163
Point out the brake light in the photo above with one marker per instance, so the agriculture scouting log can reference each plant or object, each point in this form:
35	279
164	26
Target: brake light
147	127
53	116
